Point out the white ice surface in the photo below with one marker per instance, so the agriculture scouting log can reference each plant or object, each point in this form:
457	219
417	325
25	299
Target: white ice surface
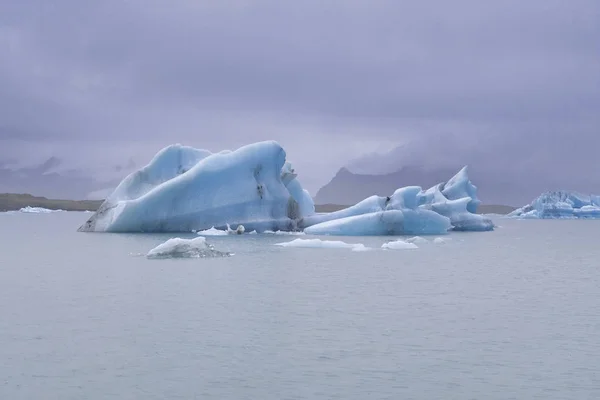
185	248
399	245
323	244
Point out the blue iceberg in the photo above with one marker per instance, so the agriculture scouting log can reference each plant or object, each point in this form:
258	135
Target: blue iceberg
560	205
409	211
457	200
185	189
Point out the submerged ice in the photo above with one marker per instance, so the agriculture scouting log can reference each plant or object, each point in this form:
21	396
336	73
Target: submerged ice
255	188
560	204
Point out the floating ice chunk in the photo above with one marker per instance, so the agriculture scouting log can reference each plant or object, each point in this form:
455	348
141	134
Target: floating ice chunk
399	245
185	248
38	210
361	247
391	222
212	232
185	189
439	240
560	204
417	240
323	244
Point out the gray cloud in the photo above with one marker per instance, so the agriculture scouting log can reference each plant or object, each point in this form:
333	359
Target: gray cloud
508	82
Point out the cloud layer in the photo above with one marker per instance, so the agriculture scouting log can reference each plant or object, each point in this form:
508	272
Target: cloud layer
513	83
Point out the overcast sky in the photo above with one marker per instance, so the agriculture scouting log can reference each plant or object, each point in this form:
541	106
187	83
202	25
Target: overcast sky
514	82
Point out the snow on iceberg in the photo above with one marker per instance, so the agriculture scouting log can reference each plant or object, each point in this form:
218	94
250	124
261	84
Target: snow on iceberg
185	248
184	189
409	211
323	244
560	204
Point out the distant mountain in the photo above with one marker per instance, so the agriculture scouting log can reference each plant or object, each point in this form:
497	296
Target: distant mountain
43	180
349	188
504	172
15	201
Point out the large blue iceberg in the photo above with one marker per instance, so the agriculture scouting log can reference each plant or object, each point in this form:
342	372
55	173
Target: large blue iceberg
560	205
185	189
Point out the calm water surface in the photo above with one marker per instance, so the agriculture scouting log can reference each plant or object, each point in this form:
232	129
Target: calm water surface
510	314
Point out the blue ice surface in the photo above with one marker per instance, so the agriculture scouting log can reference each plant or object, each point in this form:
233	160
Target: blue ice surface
388	222
460	187
560	204
408	211
168	163
185	189
303	199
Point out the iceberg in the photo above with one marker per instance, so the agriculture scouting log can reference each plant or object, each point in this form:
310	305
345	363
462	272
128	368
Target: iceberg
184	189
185	248
255	189
408	211
560	205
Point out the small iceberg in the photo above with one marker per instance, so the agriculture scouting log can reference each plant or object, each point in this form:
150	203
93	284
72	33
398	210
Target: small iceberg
221	232
212	232
323	244
185	248
37	210
399	245
560	205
